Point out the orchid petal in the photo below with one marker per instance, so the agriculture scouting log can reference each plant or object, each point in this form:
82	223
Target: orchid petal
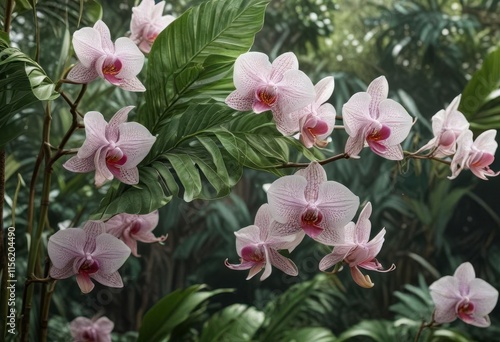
324	89
295	91
282	263
337	203
84	283
329	260
356	114
135	141
95	136
132	84
62	273
283	63
106	42
75	164
81	74
110	252
378	90
120	117
361	279
110	280
65	245
315	175
87	46
286	198
250	70
240	101
130	56
397	118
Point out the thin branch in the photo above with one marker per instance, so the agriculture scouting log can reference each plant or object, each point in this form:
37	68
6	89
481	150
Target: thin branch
321	162
9	6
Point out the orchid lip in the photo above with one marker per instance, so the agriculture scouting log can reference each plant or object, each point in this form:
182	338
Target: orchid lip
267	95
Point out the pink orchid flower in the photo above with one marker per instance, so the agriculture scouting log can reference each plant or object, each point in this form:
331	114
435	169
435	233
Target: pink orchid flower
464	296
132	228
112	150
90	253
317	120
307	203
147	23
91	330
380	122
258	247
447	125
279	87
355	250
117	63
476	156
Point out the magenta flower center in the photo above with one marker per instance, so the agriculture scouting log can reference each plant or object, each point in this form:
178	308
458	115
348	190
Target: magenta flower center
381	133
136	227
310	221
465	309
115	157
89	335
253	254
267	95
89	266
112	68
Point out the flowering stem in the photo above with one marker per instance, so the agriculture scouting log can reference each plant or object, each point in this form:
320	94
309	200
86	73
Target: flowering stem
429	156
423	326
36	236
321	162
3	251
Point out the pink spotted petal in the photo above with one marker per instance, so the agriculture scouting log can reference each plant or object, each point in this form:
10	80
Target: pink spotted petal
337	203
130	242
82	74
315	175
251	70
115	225
135	142
62	273
87	46
286	198
84	282
75	164
260	107
283	63
286	229
295	91
95	136
130	56
286	123
330	260
149	221
478	321
363	225
128	176
289	241
132	84
256	269
121	116
267	266
110	280
263	220
110	252
354	145
324	89
356	115
106	42
284	264
378	90
148	237
394	116
392	152
245	265
92	230
445	295
102	172
66	245
240	101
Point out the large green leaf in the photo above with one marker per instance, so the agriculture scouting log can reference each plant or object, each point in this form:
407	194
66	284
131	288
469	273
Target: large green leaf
236	323
191	59
22	82
481	97
316	334
171	311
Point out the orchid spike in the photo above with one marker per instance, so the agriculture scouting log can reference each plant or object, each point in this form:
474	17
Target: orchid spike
112	149
447	125
147	23
306	202
279	87
117	63
132	228
317	120
370	117
355	250
88	253
258	247
91	330
464	296
476	156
